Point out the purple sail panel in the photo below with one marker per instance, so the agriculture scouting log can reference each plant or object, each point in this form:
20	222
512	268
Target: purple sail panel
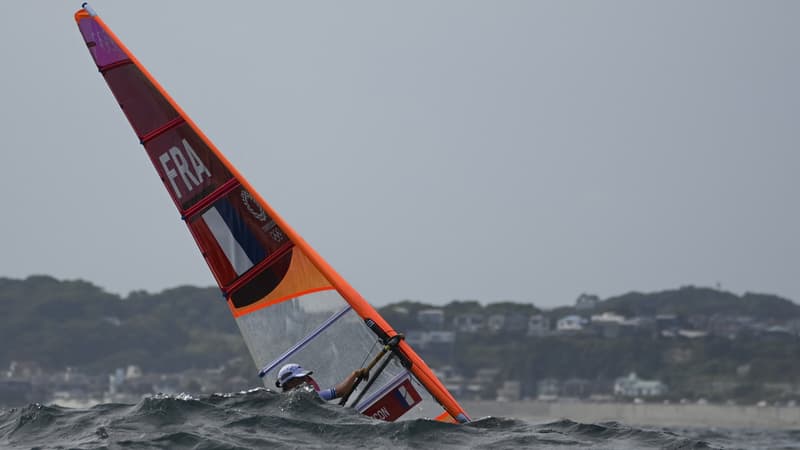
102	47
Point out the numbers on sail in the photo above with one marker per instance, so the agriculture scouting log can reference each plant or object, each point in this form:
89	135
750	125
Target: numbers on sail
276	234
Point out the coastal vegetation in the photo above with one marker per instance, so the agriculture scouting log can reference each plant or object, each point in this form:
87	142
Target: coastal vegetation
687	338
77	324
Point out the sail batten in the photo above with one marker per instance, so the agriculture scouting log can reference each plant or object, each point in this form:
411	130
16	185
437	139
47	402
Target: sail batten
256	270
161	130
215	195
286	299
111	66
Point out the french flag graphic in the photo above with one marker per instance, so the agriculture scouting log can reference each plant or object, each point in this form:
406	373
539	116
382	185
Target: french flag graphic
240	246
393	400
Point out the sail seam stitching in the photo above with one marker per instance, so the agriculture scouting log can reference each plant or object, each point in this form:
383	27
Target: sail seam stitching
209	199
123	62
161	130
256	270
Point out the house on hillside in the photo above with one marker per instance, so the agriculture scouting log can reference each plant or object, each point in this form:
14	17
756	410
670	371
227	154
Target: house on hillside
794	326
396	309
570	324
610	325
468	323
516	323
607	324
633	386
430	338
608	317
586	302
779	330
667	322
507	323
642	324
510	391
538	325
692	334
576	388
452	379
548	389
431	319
698	321
484	384
496	322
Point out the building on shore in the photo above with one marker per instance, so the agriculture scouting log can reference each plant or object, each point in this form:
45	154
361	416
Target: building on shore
633	386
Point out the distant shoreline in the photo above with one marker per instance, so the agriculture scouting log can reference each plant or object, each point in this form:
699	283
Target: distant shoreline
648	414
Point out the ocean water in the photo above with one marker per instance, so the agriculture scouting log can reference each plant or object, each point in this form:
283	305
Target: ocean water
264	419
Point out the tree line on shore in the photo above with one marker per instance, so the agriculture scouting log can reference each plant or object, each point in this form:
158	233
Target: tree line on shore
59	323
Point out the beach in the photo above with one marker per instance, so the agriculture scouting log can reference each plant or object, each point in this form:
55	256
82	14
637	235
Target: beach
651	414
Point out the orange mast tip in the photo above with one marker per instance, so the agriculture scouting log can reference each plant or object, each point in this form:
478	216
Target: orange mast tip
84	12
81	14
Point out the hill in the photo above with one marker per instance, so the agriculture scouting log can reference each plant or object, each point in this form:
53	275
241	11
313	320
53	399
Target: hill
60	324
692	300
75	323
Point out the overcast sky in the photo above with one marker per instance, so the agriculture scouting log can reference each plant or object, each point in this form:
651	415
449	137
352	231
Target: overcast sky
526	151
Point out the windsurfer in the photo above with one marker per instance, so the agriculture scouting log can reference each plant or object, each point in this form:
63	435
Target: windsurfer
291	376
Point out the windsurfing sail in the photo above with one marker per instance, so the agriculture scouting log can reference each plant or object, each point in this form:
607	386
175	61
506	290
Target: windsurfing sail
289	304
